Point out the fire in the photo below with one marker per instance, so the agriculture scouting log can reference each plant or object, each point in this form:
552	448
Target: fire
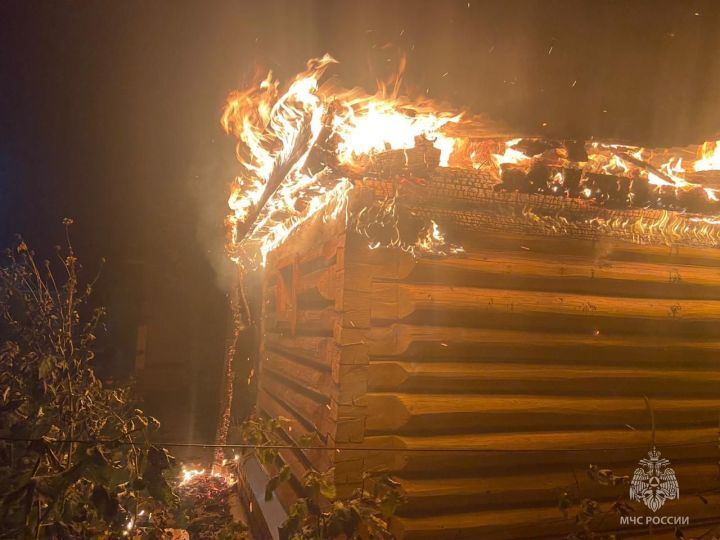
269	128
302	146
616	166
510	156
189	474
376	124
434	243
674	173
277	131
709	157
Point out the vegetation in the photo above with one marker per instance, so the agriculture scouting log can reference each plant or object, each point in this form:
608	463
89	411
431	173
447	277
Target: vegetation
75	458
321	515
364	515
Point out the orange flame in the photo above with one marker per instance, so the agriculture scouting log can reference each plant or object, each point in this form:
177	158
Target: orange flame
510	156
373	124
268	125
278	129
709	157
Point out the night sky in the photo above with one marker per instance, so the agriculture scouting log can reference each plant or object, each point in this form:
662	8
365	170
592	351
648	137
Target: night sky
109	111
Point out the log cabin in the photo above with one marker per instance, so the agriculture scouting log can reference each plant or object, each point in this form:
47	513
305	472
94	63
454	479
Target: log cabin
487	345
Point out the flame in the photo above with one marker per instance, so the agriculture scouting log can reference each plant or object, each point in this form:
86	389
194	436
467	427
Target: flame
510	156
673	170
616	166
433	242
271	125
333	201
433	237
299	143
709	157
189	474
376	124
267	127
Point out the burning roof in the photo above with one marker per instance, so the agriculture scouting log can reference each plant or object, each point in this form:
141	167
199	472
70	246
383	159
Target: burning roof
304	146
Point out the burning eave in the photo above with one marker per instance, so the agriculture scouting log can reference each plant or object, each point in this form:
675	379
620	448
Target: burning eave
311	146
410	185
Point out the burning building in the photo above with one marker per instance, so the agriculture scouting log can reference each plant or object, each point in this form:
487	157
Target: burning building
478	314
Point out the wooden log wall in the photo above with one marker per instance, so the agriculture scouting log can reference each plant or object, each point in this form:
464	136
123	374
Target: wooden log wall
496	377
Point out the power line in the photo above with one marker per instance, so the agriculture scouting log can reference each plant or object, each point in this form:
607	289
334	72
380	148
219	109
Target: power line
334	448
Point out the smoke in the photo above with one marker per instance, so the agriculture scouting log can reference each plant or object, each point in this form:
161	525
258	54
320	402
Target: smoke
208	184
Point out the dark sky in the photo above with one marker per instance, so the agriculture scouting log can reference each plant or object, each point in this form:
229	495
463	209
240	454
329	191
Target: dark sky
109	110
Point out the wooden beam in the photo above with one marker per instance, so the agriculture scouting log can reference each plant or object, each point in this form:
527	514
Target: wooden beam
532	449
418	414
541	378
536	522
451	343
544	272
429	495
394	301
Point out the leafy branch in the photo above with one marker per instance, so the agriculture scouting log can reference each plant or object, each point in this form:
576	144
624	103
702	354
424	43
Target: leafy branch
75	457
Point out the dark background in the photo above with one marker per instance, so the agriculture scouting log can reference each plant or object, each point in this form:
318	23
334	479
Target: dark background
109	114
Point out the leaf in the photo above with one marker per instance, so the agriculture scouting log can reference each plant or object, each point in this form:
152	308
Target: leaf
46	366
275	481
106	504
159	489
328	490
390	503
159	458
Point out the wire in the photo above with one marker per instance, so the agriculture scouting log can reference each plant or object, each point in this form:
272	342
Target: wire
361	448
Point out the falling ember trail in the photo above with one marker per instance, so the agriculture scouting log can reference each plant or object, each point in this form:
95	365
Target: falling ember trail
238	306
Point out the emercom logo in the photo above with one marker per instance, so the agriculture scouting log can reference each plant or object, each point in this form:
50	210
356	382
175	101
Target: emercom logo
654	482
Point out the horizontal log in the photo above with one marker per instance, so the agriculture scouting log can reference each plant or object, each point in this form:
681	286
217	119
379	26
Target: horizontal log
481	210
315	349
446	413
539	378
546	522
296	430
304	374
306	403
536	488
531	450
452	343
393	301
606	249
602	250
312	321
530	271
315	320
